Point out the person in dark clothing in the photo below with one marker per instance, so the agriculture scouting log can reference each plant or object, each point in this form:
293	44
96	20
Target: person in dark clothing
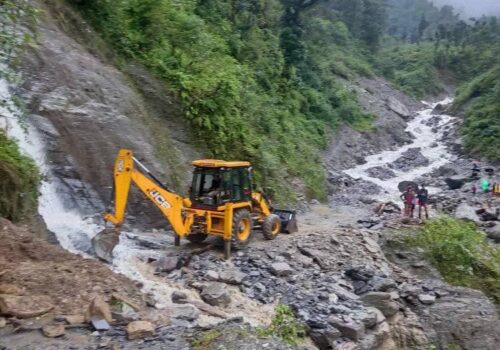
423	200
475	170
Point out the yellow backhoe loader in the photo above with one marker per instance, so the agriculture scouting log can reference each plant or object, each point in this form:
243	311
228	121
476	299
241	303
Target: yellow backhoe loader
221	202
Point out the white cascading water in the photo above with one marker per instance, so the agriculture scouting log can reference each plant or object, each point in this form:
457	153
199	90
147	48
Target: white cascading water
427	138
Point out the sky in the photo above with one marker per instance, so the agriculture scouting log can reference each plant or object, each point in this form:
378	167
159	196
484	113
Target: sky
473	8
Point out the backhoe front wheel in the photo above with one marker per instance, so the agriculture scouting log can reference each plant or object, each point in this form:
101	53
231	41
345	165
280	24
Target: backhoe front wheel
271	226
242	229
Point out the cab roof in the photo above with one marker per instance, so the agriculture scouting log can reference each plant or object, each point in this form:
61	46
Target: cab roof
217	163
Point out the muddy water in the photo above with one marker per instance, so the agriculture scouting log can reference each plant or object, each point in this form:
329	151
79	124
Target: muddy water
427	136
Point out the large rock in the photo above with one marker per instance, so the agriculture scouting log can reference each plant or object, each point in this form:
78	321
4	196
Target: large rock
398	107
281	269
426	299
53	330
167	264
74	319
381	301
185	312
216	294
3	322
98	309
7	288
454	183
139	330
25	306
324	338
348	327
231	276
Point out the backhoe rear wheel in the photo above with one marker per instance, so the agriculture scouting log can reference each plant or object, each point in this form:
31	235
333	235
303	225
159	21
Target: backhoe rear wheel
196	237
271	226
242	229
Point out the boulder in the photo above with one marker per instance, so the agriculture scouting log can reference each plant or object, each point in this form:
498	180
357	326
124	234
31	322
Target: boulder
324	338
53	330
348	327
178	297
281	269
139	330
215	294
211	275
232	276
185	312
3	322
7	288
454	183
398	107
426	299
381	284
25	306
74	319
167	264
381	301
98	309
372	317
100	324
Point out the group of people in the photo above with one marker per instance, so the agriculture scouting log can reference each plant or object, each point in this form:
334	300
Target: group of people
414	196
486	186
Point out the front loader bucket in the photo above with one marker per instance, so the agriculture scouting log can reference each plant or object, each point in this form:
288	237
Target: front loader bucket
288	220
104	242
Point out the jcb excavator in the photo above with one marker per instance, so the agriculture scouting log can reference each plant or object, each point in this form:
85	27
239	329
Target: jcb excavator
221	202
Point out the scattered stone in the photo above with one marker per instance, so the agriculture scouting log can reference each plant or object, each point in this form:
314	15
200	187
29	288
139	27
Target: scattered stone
25	306
325	338
348	327
398	107
124	314
211	275
381	301
98	309
139	330
343	293
167	264
426	299
215	294
185	312
281	269
53	330
381	172
7	288
372	317
178	297
100	324
382	284
74	319
232	276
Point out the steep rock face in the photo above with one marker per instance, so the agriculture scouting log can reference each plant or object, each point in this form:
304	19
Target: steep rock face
349	147
86	110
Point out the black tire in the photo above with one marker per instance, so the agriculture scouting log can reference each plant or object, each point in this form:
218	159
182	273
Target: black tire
196	237
242	221
271	226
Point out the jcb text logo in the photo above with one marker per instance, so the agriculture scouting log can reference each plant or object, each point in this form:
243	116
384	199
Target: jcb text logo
159	199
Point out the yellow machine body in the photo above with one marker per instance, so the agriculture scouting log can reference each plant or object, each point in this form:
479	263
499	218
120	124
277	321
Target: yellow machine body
232	221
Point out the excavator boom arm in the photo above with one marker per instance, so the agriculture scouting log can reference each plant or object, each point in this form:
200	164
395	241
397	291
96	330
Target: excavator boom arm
169	203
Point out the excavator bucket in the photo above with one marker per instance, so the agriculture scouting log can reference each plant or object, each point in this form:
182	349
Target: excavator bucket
288	220
104	242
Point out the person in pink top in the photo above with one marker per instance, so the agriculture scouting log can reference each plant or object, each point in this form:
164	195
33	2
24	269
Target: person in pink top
408	198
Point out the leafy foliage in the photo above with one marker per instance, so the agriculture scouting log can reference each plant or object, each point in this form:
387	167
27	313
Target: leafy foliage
254	77
461	253
284	325
19	180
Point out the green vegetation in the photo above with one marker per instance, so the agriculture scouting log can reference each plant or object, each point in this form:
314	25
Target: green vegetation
284	325
205	339
461	254
19	177
258	80
19	180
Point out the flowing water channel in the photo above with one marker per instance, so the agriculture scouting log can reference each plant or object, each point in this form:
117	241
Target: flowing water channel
130	258
428	137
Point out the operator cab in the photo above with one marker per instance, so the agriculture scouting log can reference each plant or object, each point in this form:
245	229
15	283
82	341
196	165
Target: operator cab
216	182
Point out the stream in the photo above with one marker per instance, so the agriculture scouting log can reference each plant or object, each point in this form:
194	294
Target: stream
428	135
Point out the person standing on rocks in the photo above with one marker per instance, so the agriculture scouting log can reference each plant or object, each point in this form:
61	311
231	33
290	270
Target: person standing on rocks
408	197
485	185
423	200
